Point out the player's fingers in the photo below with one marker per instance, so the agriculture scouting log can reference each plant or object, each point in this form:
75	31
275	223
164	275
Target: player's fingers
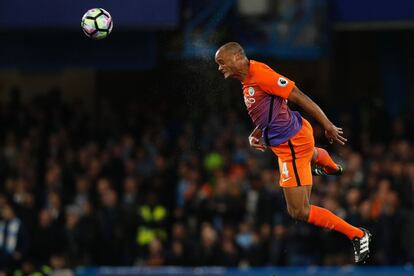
252	141
342	138
255	143
339	141
260	148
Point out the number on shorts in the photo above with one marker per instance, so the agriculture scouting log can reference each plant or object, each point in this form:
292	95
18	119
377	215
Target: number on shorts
285	171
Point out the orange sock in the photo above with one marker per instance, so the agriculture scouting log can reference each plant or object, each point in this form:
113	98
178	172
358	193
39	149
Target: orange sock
324	218
324	160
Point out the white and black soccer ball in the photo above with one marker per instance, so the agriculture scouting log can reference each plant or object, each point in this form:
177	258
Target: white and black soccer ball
97	23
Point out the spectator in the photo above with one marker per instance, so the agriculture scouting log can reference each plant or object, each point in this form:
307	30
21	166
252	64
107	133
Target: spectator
14	244
152	218
73	236
48	238
110	221
209	253
155	256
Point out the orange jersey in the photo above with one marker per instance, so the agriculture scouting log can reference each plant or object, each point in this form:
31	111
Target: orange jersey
265	95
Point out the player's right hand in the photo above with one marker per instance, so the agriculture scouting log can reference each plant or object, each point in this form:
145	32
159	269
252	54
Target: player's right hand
335	134
256	143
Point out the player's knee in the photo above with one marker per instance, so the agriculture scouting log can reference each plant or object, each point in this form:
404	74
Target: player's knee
299	213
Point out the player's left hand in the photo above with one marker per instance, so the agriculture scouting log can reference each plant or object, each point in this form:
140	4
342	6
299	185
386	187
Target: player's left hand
256	143
334	134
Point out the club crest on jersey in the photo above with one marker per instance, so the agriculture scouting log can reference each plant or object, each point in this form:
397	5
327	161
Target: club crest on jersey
251	91
282	82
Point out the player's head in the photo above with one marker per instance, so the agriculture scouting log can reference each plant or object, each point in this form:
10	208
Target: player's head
231	60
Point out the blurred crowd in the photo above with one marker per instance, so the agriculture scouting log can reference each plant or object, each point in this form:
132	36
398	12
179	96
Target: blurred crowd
149	184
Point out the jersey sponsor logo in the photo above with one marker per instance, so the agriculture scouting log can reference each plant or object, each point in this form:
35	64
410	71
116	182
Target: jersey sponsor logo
282	82
251	91
249	101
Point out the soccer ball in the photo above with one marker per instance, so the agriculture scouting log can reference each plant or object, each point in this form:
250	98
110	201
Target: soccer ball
97	23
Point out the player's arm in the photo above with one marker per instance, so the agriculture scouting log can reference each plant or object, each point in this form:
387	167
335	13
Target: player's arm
254	139
332	132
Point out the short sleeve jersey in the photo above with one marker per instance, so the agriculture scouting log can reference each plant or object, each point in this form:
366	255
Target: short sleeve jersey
265	95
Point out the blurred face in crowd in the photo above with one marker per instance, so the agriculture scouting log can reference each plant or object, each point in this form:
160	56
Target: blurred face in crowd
391	202
177	248
266	231
7	212
104	185
409	168
178	231
130	185
87	208
208	235
353	196
57	262
72	218
155	247
109	198
279	231
82	185
222	187
397	168
228	233
330	204
44	218
383	188
365	210
53	177
228	247
54	200
94	168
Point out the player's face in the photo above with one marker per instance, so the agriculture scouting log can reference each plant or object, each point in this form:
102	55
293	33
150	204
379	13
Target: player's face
226	63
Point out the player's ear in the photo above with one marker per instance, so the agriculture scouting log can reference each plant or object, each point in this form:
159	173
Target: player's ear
236	57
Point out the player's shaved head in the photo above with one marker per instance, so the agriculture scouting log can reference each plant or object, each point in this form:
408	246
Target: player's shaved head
232	48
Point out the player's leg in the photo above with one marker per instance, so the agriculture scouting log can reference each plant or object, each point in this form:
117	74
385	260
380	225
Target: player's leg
297	201
298	206
295	158
296	181
324	163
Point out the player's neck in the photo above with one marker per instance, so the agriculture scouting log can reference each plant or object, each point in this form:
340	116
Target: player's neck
244	71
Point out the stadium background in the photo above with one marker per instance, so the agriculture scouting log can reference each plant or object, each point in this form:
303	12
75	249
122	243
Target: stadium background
132	151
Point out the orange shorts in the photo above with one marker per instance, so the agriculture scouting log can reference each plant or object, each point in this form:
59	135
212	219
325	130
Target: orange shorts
295	158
